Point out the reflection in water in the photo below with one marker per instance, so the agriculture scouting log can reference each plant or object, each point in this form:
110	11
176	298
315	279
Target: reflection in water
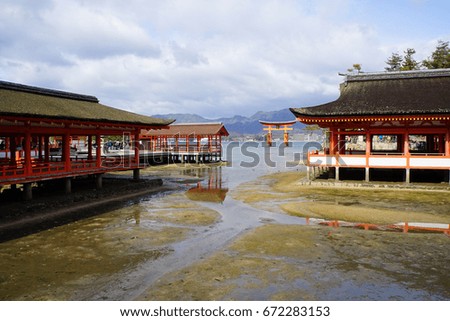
210	189
137	216
402	227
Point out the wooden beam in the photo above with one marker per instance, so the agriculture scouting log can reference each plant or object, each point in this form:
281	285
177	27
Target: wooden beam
27	151
46	148
136	147
66	152
98	152
447	142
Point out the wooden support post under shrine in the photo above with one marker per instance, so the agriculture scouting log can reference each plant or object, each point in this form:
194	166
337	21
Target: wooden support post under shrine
68	185
99	181
136	174
284	126
27	191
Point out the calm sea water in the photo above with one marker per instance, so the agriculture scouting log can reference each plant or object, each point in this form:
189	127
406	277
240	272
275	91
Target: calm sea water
249	160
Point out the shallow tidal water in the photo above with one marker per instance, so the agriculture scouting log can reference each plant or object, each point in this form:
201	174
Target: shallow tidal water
201	243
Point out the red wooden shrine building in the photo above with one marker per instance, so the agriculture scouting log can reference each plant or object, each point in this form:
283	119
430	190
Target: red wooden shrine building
391	121
199	142
38	128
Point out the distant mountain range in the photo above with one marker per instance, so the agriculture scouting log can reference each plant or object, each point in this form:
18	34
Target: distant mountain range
238	125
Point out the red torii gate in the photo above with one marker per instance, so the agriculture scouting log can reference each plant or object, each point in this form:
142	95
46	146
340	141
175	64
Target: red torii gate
277	126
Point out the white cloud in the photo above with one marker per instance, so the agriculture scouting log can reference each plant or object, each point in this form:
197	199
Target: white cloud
215	58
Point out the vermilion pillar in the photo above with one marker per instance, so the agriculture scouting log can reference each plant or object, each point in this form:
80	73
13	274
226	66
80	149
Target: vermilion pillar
89	138
98	156
333	140
407	155
368	149
136	147
13	149
46	148
27	152
66	152
198	143
40	140
447	143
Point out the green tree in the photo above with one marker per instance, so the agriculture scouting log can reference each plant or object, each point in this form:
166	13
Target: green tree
394	62
356	68
312	127
114	138
440	58
409	63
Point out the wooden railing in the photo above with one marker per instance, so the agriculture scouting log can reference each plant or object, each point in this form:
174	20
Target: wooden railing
58	168
184	149
388	160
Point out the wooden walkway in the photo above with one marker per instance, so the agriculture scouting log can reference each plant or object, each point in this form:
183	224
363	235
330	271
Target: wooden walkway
80	164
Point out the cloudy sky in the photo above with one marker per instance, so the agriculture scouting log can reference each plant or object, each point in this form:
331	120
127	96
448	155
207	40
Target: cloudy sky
216	58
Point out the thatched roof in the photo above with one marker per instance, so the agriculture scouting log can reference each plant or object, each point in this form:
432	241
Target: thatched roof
390	93
26	101
192	130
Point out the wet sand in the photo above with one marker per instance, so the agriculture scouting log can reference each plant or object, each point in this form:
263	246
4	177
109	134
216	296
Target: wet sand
51	207
101	257
251	247
377	203
285	262
294	262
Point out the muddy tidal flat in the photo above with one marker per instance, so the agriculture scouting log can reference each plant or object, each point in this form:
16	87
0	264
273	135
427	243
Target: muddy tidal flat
227	233
283	262
313	262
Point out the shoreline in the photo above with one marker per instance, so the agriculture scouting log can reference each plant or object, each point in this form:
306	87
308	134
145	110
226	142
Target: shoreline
353	202
375	185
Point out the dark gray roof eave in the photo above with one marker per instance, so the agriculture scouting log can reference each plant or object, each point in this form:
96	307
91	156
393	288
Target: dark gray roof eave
298	113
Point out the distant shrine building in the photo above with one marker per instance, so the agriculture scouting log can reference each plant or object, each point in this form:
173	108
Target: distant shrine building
48	134
190	142
387	126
